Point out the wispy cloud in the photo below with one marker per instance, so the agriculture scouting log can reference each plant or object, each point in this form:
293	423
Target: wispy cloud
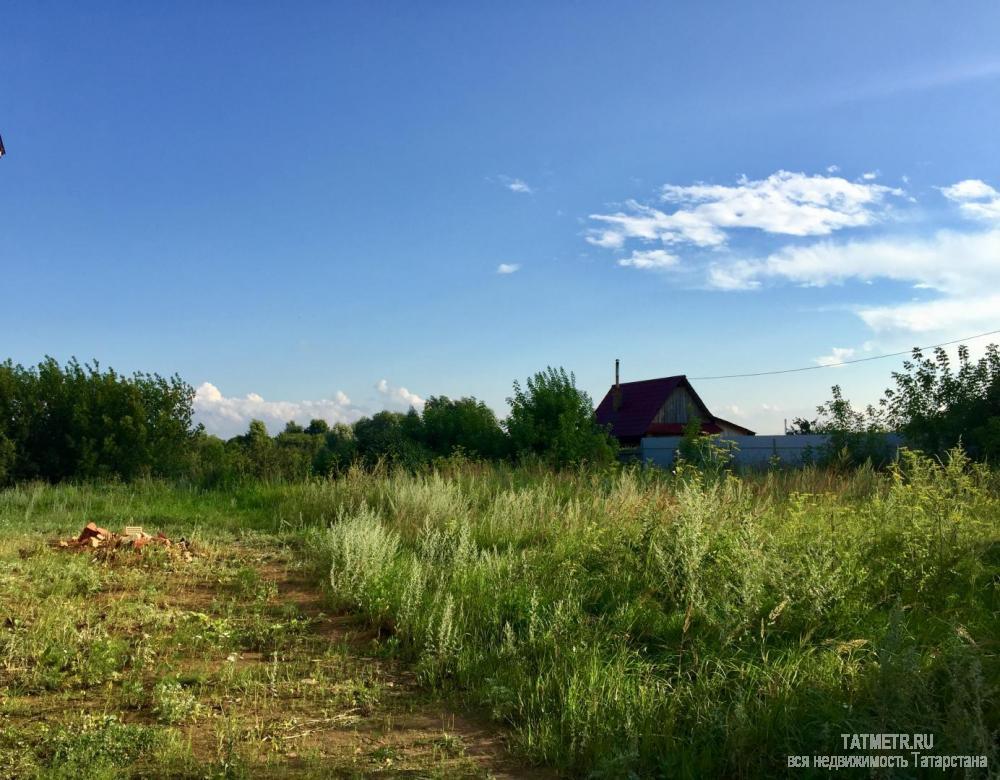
949	261
508	268
837	356
936	76
785	203
515	185
649	260
955	272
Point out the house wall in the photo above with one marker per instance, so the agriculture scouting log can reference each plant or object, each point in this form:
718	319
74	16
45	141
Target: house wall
752	451
726	429
676	408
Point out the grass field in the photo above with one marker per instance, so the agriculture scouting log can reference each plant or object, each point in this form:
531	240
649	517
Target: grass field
612	623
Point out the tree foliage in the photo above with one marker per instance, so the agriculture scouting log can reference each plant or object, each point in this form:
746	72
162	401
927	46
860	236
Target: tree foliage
465	425
79	421
938	405
553	419
935	405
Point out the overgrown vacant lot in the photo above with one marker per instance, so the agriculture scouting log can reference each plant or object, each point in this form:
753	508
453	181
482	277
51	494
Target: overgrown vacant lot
614	622
230	664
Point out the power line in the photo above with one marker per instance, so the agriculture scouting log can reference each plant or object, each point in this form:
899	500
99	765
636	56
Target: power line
845	362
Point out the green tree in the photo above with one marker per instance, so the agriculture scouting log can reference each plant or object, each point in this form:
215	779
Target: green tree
466	424
551	418
79	421
318	428
392	438
938	406
339	451
855	435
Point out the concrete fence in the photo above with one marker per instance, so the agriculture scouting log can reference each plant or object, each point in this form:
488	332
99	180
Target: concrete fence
752	451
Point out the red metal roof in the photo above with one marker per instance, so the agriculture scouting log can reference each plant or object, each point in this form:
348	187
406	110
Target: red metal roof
639	404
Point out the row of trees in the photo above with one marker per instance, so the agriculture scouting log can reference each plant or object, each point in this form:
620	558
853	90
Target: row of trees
81	422
77	421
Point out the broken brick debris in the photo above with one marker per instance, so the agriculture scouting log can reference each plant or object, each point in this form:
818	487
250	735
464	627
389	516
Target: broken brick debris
94	537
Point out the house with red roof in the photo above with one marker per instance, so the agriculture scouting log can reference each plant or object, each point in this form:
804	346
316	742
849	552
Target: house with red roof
657	407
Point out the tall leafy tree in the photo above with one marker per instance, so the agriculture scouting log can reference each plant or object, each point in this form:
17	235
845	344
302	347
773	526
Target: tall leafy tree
552	418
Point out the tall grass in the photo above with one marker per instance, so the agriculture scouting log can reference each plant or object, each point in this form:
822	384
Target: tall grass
639	622
630	623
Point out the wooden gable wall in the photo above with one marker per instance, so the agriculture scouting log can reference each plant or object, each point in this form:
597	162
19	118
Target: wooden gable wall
677	407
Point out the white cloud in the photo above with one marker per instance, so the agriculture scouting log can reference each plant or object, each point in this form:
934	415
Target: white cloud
515	185
959	267
832	168
949	262
398	398
784	203
508	268
969	189
963	315
837	356
652	259
870	175
229	416
735	275
976	199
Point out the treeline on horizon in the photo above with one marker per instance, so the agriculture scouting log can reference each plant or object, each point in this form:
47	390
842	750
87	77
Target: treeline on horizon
79	422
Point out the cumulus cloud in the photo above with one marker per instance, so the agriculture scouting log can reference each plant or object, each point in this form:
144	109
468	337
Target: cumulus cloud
649	260
975	198
398	398
785	203
508	268
837	356
228	416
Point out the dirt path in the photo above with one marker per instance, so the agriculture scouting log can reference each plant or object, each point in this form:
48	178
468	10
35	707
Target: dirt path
353	713
226	663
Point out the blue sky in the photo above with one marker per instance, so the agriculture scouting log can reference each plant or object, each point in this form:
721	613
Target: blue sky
304	210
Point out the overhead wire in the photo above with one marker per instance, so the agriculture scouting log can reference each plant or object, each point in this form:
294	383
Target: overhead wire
844	362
